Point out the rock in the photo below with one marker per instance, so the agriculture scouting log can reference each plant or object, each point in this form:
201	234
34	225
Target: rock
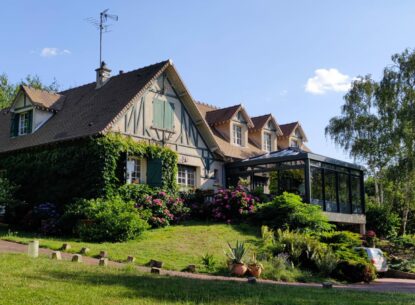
157	264
85	250
103	254
252	280
155	270
130	259
65	247
191	268
77	258
103	261
327	285
56	255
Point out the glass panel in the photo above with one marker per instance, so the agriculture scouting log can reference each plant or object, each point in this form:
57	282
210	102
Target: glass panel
316	179
273	183
330	191
292	181
344	193
133	170
356	196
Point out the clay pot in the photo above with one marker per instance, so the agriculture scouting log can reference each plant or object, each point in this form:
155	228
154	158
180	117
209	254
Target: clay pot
255	270
239	269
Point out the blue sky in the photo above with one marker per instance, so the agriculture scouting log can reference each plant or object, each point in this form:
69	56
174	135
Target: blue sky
294	59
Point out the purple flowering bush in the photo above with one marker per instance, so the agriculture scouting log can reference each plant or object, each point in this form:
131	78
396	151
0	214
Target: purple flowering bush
232	204
165	209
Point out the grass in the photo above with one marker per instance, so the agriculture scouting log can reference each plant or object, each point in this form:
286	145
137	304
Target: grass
177	246
40	281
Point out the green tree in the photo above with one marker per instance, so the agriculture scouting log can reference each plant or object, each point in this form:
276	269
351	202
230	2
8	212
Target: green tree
8	90
377	126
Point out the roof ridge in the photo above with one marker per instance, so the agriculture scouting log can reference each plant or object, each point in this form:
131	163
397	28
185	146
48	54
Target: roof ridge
206	104
114	76
237	105
43	90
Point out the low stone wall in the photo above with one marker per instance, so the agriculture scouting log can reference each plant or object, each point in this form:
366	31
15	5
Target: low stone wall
400	274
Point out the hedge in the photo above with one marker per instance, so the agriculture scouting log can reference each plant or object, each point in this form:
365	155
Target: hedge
87	168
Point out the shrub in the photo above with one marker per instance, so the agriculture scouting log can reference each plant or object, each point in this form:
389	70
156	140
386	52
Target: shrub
164	209
232	204
136	192
288	211
326	262
199	202
7	190
208	262
355	271
106	219
340	240
382	220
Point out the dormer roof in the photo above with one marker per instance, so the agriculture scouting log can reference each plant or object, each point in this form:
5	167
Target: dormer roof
260	121
224	115
289	129
44	100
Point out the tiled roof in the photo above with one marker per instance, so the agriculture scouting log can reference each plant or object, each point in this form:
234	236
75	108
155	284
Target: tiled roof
204	108
288	129
86	111
260	121
222	115
44	99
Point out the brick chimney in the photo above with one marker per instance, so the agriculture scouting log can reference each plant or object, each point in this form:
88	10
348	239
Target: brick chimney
103	74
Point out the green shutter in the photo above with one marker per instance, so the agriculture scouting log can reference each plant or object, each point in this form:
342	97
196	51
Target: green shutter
154	172
30	118
169	116
158	113
14	125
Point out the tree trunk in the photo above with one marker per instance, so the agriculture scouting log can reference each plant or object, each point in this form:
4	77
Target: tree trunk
405	213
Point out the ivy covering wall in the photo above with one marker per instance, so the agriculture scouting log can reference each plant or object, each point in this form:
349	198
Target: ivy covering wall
86	168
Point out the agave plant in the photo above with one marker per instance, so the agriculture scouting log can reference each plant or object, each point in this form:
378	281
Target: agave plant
253	262
237	253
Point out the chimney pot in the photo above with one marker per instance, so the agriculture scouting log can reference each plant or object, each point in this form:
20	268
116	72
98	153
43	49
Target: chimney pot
103	75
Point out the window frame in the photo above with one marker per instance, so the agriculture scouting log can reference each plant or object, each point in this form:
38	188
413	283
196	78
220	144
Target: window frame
134	175
237	135
23	127
267	139
186	176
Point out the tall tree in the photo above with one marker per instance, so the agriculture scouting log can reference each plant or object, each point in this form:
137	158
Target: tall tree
377	126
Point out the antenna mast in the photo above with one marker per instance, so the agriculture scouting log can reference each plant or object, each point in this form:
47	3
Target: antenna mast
102	26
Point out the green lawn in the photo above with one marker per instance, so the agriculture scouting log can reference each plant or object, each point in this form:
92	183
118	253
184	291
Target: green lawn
41	281
177	246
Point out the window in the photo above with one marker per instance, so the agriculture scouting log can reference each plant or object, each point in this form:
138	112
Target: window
186	176
267	142
237	135
23	123
294	143
270	125
316	180
330	190
163	114
133	170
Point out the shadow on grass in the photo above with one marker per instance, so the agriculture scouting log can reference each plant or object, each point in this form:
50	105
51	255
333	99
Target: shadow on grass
167	290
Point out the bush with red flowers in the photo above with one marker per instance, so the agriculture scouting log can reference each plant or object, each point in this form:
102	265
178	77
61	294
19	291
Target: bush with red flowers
164	209
232	204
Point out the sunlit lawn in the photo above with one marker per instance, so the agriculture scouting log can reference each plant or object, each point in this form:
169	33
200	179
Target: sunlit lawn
41	281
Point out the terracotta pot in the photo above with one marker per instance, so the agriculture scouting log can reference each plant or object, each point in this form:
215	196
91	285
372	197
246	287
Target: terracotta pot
255	270
239	269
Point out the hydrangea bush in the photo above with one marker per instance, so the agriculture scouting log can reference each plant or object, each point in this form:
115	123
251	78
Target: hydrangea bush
165	209
231	204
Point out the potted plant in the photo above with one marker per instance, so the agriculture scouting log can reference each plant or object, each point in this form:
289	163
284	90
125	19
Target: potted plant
255	268
235	256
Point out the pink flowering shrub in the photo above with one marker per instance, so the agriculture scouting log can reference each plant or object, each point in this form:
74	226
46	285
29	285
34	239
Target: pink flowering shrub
164	209
231	204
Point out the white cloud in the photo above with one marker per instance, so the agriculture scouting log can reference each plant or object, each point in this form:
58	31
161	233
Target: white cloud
50	52
325	80
283	92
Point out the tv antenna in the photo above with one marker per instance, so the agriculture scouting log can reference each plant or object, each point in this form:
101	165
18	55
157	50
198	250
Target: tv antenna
103	27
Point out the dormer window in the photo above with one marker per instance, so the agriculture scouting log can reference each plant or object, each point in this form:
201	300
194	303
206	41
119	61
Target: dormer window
294	143
23	123
267	145
298	133
270	125
237	135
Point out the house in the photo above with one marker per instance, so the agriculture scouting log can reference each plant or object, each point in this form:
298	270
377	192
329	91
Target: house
153	105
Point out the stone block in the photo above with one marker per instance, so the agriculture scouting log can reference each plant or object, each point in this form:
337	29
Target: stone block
252	280
77	258
130	259
56	255
65	247
84	251
191	268
103	254
155	270
157	264
103	261
327	285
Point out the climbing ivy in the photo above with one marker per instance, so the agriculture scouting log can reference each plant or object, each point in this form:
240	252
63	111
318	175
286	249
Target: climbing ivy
86	168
